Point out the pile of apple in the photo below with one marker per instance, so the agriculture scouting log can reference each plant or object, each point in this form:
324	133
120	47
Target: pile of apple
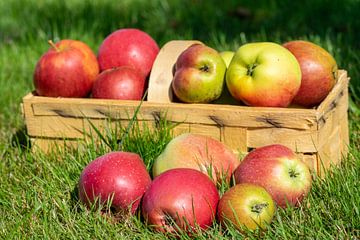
184	194
119	71
264	74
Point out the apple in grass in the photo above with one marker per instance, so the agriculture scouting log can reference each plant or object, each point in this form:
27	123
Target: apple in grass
119	177
128	47
180	199
67	69
277	169
246	205
263	74
199	152
199	75
318	68
123	83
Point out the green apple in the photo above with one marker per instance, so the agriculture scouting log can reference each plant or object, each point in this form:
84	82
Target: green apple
199	75
246	205
264	74
227	57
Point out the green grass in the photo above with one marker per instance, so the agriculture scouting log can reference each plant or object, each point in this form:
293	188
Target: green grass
38	198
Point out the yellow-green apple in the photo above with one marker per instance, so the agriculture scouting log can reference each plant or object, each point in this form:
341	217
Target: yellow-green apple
128	47
118	176
276	168
180	199
318	69
67	69
199	152
263	74
124	83
199	75
246	205
225	97
227	57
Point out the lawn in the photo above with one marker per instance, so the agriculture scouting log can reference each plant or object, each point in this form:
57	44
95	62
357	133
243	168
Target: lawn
38	196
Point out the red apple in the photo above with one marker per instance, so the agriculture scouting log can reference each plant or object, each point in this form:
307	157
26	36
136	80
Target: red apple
120	176
247	205
123	83
67	69
198	152
318	69
128	47
277	169
180	198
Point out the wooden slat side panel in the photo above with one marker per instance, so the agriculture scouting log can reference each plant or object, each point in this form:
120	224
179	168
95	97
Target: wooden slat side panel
334	99
199	114
329	154
207	130
297	140
235	138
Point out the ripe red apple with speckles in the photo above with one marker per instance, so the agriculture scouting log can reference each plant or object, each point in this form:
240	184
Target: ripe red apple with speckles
180	198
67	69
120	176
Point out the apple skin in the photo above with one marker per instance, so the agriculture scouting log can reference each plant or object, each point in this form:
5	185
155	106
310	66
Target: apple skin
318	70
128	47
225	97
122	175
67	69
183	196
263	74
199	152
227	57
246	205
124	83
277	169
199	75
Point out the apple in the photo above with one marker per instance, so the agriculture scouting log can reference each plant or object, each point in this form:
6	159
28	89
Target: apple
276	168
263	74
123	83
118	176
67	69
199	152
227	57
318	69
180	199
199	75
225	97
128	47
246	205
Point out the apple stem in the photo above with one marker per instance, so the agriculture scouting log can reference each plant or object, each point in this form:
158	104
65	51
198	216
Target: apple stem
251	69
52	44
257	208
293	173
205	68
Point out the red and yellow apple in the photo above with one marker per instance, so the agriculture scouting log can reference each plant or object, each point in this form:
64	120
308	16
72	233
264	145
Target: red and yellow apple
263	74
199	152
180	199
277	169
318	69
119	177
246	205
123	83
67	69
128	47
199	75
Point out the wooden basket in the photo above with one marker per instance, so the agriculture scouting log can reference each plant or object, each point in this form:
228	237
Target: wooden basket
319	136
